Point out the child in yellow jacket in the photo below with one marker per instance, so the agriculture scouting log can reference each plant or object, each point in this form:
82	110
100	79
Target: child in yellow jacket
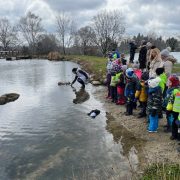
142	94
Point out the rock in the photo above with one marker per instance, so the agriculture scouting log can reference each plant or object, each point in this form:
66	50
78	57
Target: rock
6	98
96	83
63	83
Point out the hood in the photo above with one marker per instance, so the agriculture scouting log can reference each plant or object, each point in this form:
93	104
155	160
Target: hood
171	58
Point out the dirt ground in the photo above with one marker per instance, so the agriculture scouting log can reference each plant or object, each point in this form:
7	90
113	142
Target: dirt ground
131	131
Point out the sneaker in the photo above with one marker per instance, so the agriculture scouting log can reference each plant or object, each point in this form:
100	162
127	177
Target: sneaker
127	114
152	131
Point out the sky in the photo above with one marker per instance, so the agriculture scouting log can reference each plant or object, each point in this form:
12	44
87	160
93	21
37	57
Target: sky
141	16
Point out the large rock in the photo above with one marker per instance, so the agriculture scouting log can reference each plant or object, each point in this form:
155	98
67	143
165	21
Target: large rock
6	98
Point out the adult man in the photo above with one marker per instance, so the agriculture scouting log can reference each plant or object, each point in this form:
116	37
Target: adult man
132	50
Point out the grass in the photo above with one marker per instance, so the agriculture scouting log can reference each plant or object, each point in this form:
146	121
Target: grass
176	68
162	172
97	65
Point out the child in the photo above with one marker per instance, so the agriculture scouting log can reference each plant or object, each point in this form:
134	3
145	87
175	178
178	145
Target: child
132	84
121	86
160	73
136	70
142	94
154	103
81	76
108	76
174	106
123	60
173	83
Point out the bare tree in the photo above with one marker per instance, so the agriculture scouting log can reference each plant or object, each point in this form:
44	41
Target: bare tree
30	27
84	38
7	34
108	27
46	43
65	29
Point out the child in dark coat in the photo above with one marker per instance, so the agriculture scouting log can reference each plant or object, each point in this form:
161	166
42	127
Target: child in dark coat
132	85
154	103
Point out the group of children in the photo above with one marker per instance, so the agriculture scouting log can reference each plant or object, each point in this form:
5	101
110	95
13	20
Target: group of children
129	85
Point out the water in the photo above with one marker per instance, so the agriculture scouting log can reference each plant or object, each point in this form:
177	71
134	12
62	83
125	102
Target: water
44	135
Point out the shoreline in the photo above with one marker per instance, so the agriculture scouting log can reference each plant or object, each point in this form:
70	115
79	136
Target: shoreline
152	148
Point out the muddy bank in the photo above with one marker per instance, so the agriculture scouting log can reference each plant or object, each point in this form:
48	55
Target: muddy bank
151	147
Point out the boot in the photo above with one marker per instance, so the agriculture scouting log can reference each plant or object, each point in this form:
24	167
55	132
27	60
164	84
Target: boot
141	115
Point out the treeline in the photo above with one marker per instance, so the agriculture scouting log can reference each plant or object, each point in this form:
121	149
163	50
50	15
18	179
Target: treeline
105	32
159	42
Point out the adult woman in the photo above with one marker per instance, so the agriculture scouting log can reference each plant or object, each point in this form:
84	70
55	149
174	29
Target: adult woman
168	61
155	62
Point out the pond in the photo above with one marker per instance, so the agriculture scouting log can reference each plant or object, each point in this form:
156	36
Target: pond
44	135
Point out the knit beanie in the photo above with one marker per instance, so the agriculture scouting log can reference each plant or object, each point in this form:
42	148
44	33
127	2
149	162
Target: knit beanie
169	48
124	67
174	80
154	82
165	52
135	65
129	72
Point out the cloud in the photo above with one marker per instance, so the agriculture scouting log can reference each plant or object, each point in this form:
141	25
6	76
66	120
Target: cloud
78	5
149	15
142	16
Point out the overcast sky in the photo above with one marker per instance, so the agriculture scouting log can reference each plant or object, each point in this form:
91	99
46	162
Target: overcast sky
159	16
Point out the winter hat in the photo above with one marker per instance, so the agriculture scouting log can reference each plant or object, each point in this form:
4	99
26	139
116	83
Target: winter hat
154	82
149	45
165	53
145	76
129	72
174	80
135	65
124	67
116	67
159	71
169	48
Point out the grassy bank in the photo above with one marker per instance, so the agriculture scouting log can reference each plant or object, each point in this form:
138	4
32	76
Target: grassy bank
176	68
97	65
162	171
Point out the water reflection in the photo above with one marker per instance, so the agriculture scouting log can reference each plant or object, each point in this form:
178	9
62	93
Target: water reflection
122	135
81	95
44	135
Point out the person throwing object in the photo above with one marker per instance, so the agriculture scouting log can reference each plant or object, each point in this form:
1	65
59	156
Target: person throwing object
81	76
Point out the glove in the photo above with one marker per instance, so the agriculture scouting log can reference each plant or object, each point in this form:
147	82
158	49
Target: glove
154	112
